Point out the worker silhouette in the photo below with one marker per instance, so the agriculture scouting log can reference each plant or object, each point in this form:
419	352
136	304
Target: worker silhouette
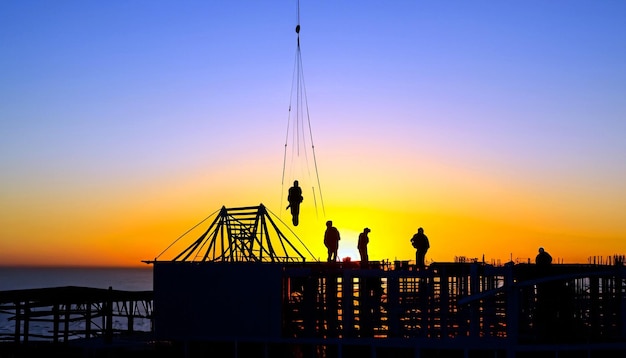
295	198
548	305
421	245
543	259
331	240
362	246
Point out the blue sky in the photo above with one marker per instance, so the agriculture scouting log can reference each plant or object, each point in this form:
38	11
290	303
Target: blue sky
445	109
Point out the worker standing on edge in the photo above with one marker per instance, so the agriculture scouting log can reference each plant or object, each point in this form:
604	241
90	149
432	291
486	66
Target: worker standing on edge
421	245
331	240
362	246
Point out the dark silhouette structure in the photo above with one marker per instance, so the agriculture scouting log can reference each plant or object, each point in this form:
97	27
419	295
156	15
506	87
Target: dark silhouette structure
331	241
236	292
295	198
362	246
421	244
65	308
543	259
242	234
339	310
553	309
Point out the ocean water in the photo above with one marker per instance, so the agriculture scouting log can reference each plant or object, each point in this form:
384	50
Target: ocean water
127	279
18	278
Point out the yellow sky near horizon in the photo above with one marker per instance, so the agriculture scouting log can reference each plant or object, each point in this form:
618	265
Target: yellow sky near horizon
462	217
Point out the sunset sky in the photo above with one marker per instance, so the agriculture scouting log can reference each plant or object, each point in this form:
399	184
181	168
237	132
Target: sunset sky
497	126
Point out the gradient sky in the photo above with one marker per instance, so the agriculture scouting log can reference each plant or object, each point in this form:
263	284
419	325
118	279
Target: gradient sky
497	126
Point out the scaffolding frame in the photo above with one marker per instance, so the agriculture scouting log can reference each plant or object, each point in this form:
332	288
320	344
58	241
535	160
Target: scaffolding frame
243	234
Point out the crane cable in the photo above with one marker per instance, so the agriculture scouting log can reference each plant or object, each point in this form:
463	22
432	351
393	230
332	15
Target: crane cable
298	81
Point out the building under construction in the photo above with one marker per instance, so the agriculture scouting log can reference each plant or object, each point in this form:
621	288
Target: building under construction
243	288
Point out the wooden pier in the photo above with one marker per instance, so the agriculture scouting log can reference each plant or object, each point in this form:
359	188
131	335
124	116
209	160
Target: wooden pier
60	314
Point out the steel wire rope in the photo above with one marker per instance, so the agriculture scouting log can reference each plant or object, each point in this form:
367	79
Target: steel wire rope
185	233
282	191
296	112
319	185
302	107
299	134
282	188
294	234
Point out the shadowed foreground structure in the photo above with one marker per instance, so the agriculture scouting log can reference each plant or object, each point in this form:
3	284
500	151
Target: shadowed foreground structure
339	310
282	309
75	321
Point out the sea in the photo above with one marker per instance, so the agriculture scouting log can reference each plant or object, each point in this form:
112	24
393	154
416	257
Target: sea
19	278
126	279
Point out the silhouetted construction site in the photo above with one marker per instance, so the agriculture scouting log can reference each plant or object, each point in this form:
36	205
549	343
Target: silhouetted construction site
242	288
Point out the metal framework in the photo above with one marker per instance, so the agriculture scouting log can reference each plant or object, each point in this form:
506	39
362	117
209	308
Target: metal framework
61	314
244	234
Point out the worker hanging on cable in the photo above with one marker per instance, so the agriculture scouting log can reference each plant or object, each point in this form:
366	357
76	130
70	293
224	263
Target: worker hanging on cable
295	198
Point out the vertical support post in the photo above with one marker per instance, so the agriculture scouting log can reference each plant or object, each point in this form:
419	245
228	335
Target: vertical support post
320	306
26	321
348	304
421	292
309	298
331	304
18	321
108	313
393	309
66	322
512	311
131	316
444	304
474	307
287	318
55	323
619	277
88	320
365	318
594	311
